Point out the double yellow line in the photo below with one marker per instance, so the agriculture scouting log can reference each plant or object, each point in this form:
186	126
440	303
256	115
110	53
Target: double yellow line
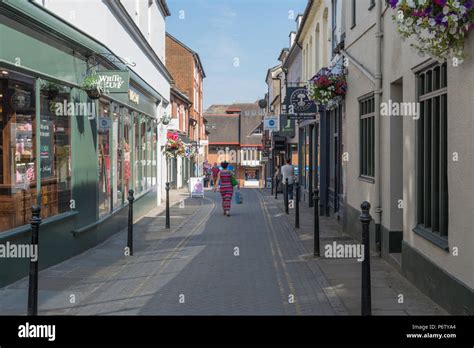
278	256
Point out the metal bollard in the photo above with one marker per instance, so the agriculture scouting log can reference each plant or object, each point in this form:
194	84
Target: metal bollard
276	189
365	218
33	278
286	196
130	222
316	222
167	205
297	207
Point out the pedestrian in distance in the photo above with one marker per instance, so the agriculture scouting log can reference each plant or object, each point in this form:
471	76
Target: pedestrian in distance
227	181
288	172
215	172
277	177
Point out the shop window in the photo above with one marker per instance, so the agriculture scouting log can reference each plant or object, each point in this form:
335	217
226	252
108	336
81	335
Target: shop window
18	166
149	153
55	150
127	154
104	190
154	157
431	152
138	167
367	137
144	153
117	128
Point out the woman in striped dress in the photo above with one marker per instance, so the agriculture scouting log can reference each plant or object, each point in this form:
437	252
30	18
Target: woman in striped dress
224	177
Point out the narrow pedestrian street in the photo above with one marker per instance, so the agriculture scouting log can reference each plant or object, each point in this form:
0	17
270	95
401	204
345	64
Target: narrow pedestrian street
209	264
251	263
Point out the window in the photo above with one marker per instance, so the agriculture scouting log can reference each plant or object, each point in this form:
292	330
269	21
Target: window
18	166
367	137
431	151
55	150
22	161
127	153
104	153
334	26
117	184
354	9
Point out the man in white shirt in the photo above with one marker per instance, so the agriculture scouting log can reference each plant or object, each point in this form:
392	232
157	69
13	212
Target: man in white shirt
288	171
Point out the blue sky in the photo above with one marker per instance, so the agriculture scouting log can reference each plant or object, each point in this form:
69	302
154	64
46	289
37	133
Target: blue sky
253	31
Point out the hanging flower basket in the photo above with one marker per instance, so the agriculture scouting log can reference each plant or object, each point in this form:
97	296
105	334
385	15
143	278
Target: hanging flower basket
174	147
326	88
440	26
92	86
189	151
50	90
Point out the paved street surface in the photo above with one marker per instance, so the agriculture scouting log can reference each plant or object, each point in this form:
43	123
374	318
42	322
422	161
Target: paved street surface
251	263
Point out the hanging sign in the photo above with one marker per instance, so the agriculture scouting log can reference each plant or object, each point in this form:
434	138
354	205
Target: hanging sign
114	81
46	148
270	123
298	104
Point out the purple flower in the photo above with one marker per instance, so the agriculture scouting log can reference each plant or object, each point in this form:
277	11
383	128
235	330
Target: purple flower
393	3
439	18
468	4
440	2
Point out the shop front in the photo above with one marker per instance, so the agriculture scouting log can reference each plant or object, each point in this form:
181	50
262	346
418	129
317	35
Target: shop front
74	156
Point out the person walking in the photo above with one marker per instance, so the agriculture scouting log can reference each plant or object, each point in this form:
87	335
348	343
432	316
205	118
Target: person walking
288	172
277	178
224	177
215	172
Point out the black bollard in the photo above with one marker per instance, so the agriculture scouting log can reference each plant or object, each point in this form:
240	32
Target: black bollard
167	205
130	222
365	218
316	222
33	279
286	192
276	188
297	207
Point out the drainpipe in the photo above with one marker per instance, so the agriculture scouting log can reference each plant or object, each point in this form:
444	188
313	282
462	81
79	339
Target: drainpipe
377	101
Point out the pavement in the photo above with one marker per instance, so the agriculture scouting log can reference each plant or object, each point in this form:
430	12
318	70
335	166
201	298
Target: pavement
251	263
392	294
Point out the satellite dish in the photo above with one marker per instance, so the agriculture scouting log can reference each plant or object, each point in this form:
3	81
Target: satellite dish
262	103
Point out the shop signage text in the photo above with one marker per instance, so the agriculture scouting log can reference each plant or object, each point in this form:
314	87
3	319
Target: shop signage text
116	81
133	96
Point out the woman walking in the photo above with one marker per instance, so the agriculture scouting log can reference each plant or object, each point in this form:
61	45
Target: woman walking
225	179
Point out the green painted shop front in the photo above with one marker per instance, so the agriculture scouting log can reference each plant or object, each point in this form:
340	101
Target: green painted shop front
88	154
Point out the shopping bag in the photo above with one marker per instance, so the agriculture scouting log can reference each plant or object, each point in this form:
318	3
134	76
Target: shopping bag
233	180
238	197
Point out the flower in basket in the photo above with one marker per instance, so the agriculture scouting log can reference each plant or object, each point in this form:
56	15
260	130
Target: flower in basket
190	151
173	136
326	86
439	26
92	86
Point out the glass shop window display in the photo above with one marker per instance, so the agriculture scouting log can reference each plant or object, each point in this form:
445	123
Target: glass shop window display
55	149
17	147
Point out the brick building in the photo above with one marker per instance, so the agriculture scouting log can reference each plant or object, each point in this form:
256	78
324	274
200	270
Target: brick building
179	169
188	75
235	135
